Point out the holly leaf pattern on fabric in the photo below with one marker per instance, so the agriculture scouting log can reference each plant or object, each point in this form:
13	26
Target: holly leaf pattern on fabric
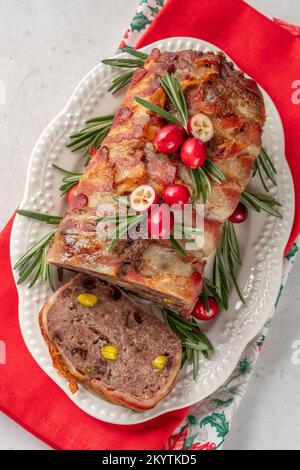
217	421
192	420
190	441
139	22
260	342
292	252
160	2
154	10
244	366
224	403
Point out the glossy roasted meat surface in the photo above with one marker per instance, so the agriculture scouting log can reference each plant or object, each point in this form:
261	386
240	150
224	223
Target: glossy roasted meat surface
126	159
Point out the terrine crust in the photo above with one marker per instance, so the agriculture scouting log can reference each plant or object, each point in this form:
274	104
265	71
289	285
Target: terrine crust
126	159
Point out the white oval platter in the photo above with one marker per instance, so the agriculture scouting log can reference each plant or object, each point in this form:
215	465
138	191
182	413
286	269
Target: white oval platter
262	240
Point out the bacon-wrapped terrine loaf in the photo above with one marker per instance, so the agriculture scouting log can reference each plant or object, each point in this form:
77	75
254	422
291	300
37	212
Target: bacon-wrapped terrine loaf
126	159
100	337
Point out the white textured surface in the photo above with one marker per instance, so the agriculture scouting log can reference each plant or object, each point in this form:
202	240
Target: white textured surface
42	37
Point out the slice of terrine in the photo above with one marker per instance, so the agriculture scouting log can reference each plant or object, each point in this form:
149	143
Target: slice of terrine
100	337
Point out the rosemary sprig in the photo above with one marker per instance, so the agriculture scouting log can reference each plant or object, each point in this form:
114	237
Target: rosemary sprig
183	231
201	178
48	219
177	245
91	135
123	223
123	226
196	184
205	185
192	339
124	78
33	263
126	63
70	180
120	81
135	52
173	89
158	110
264	167
210	288
121	200
262	202
213	171
227	254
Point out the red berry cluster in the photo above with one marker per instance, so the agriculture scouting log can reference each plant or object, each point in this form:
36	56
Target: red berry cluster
173	138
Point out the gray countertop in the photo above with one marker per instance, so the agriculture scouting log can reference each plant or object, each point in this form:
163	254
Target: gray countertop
47	46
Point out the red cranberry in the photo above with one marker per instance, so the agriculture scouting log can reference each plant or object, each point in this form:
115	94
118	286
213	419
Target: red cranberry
160	222
239	215
169	138
176	194
200	312
193	152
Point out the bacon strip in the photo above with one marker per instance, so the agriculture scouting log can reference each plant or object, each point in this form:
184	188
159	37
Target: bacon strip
126	159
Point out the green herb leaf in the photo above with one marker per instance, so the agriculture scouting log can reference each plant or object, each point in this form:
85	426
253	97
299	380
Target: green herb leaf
196	184
205	184
213	171
173	89
128	63
227	254
192	339
232	242
134	52
124	78
210	286
120	81
201	179
91	135
261	202
205	299
69	181
33	263
177	246
121	200
46	218
156	109
123	223
263	165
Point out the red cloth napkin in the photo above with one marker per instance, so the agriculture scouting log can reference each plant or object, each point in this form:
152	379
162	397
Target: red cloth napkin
270	55
292	28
